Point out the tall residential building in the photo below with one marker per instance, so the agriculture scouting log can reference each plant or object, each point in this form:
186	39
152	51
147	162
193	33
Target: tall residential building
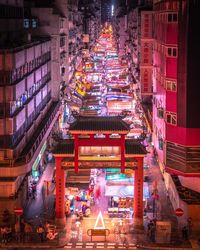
75	36
133	29
91	16
120	28
52	17
176	101
106	11
29	106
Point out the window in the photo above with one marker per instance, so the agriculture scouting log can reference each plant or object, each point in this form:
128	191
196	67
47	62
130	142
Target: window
62	41
160	143
160	113
168	118
26	23
61	23
170	85
172	17
171	118
34	23
172	52
161	80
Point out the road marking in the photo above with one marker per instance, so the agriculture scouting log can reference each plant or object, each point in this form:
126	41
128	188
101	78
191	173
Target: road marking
89	246
131	245
67	246
111	244
79	243
79	246
90	243
99	246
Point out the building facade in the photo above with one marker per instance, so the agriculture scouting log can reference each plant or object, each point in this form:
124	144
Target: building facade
29	107
106	10
133	29
176	124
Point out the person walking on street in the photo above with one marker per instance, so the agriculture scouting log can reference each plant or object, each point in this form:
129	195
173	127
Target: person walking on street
40	231
17	231
27	230
8	233
185	233
125	242
3	234
22	231
152	231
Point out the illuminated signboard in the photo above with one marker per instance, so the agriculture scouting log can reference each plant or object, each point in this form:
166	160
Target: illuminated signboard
116	176
35	173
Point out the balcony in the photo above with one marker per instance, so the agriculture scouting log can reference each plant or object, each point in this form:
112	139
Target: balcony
11	109
24	162
10	141
17	75
39	133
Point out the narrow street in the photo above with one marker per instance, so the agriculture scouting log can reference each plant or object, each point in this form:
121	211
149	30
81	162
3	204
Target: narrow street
108	81
41	207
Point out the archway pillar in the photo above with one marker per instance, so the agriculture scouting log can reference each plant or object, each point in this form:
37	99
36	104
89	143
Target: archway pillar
60	192
76	150
122	153
138	193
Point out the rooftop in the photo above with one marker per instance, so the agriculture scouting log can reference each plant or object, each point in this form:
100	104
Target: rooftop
101	123
21	44
131	147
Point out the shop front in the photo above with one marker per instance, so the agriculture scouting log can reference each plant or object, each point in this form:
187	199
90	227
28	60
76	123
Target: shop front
120	192
38	166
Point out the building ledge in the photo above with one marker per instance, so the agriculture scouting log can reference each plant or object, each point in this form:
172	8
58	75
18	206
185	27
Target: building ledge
44	124
187	195
21	45
66	146
24	162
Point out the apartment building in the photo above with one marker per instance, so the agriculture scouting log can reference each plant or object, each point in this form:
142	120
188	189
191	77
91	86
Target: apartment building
29	106
176	123
133	27
106	11
75	37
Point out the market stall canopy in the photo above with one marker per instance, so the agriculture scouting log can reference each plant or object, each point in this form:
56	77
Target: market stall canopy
124	191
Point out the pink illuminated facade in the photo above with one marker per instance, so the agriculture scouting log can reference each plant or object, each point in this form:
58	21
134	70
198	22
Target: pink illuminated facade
176	125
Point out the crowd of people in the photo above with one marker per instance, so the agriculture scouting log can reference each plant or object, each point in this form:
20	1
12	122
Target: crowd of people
23	232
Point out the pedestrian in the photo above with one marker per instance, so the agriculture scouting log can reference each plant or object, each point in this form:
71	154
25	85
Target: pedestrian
152	232
3	234
8	233
22	231
47	225
190	226
40	231
185	233
125	242
148	229
17	231
27	230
